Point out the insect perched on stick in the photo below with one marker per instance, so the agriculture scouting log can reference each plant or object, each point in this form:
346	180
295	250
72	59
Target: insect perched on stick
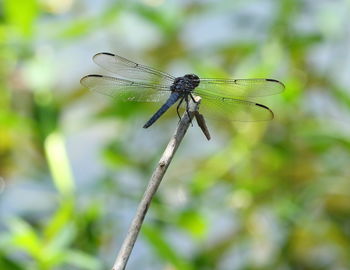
219	96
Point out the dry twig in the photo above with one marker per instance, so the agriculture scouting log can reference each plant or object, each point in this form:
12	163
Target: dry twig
152	187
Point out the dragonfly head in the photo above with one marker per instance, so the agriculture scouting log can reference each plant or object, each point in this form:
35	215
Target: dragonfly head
193	78
185	84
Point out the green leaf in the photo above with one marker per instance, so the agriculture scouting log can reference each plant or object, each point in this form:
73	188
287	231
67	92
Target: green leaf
21	14
194	223
24	237
83	260
163	249
59	220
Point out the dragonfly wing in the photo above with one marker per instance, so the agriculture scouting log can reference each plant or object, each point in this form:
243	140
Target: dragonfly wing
125	89
239	87
234	109
131	70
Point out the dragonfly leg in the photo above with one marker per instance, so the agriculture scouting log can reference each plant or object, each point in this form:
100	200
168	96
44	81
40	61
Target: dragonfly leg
178	106
188	109
192	97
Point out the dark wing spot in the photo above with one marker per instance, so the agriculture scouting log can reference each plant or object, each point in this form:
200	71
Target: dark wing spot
267	108
89	76
276	81
94	75
111	54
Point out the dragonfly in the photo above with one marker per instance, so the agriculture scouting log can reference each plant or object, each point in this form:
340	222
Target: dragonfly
140	83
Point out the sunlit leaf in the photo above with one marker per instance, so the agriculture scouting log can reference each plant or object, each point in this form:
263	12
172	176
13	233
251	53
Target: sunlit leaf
194	223
24	237
21	14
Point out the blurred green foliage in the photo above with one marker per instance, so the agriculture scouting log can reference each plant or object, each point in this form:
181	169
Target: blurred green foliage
258	196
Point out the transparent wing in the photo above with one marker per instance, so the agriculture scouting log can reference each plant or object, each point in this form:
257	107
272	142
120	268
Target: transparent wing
234	109
131	70
239	87
124	89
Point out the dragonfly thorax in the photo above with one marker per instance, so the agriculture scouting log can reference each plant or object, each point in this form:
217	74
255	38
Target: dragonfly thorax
186	83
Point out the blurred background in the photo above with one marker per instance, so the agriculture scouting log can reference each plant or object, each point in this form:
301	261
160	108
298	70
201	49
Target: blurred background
74	164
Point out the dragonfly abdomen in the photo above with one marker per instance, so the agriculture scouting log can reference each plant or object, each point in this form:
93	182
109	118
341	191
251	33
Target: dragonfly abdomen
171	100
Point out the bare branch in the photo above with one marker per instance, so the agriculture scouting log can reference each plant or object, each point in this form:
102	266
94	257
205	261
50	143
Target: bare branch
152	187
